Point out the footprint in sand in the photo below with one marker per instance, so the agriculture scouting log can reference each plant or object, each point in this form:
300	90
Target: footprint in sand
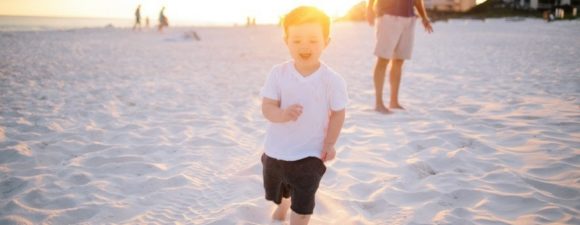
422	169
11	187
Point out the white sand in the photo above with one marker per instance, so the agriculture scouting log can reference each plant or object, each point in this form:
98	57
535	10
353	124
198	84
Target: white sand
108	126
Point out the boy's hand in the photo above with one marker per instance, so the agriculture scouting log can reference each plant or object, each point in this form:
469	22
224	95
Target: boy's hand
328	153
292	112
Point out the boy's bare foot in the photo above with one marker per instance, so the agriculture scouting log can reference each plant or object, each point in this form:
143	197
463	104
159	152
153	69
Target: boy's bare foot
396	106
382	109
280	212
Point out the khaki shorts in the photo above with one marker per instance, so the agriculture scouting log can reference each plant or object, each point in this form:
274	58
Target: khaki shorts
395	36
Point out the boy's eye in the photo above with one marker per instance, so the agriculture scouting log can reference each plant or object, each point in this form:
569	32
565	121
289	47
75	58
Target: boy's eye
313	41
296	41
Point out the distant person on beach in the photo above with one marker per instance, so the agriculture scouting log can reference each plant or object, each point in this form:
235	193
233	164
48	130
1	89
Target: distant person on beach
137	18
304	101
163	21
395	36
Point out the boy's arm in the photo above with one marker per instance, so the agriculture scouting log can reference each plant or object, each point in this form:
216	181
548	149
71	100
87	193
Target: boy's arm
424	18
334	126
272	111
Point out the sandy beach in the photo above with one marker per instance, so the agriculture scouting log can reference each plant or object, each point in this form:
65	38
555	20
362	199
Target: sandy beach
110	126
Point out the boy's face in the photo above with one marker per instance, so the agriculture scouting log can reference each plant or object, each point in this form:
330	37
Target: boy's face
306	42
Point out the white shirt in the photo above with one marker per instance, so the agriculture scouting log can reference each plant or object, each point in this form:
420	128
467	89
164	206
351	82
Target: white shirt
319	93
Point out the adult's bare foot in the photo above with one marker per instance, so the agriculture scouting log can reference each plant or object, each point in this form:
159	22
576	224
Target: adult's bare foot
382	109
396	106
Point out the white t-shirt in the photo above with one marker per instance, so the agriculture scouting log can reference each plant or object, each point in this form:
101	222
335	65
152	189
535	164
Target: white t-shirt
322	91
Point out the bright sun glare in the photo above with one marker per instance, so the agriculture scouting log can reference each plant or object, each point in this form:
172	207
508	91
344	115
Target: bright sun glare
235	11
188	11
336	8
224	12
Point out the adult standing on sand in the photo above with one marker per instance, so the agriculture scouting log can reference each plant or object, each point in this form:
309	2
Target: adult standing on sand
162	20
137	18
395	32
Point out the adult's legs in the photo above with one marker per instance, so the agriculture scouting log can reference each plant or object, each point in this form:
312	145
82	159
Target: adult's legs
379	81
395	81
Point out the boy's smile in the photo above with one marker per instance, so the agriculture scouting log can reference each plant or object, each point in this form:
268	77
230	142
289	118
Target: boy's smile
305	56
306	43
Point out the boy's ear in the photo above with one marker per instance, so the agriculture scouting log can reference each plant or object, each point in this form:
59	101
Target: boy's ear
327	42
285	38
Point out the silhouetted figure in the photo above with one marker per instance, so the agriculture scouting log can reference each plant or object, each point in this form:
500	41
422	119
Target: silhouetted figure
137	18
147	22
250	21
163	22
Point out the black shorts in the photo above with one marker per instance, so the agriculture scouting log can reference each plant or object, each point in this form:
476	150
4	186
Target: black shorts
297	179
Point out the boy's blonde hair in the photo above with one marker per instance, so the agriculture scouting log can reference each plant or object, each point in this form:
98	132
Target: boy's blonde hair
307	14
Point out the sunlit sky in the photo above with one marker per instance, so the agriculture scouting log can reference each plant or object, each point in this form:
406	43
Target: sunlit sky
206	11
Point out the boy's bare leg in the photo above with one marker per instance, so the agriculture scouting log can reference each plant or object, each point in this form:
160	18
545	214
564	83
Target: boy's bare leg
299	219
281	210
379	80
395	80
